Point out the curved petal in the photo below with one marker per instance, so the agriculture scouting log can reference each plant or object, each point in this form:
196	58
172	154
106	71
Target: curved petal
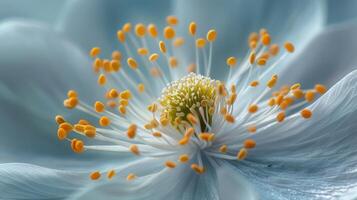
38	68
24	181
95	23
326	59
297	21
45	11
338	12
313	158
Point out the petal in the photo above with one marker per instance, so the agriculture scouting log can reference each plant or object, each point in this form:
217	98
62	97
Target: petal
234	20
338	12
98	21
328	57
24	181
45	11
38	68
309	159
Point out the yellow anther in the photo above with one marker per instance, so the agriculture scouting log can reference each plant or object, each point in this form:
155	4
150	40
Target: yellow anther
143	51
102	79
192	28
232	98
97	64
126	94
233	88
253	44
252	58
289	47
113	93
189	132
132	63
121	36
272	82
249	144
127	27
72	93
274	49
200	43
184	140
271	102
191	67
279	99
59	119
104	121
295	86
221	89
280	117
153	57
266	39
253	37
110	174
184	158
157	134
169	32
134	149
320	88
229	118
116	55
131	132
306	113
130	177
253	108
162	47
152	107
211	35
66	126
141	87
164	121
79	128
123	102
77	145
242	154
208	137
106	65
173	62
252	129
99	106
309	96
178	42
170	164
261	61
61	134
198	169
95	175
297	93
70	103
223	148
191	118
94	52
172	20
231	61
122	109
90	132
140	30
83	122
223	111
152	30
263	31
254	83
115	65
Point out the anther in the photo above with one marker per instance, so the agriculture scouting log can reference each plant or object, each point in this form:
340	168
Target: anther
127	27
253	108
320	88
249	144
110	174
242	154
61	134
183	158
115	65
95	175
274	49
59	119
306	113
191	118
200	43
131	131
280	117
289	47
252	58
211	35
132	63
170	164
126	94
104	121
231	61
229	118
254	83
198	169
152	30
134	149
178	42
77	145
94	52
162	47
309	96
130	177
153	57
141	87
173	62
192	28
172	20
223	148
143	51
121	36
169	32
266	39
102	79
140	30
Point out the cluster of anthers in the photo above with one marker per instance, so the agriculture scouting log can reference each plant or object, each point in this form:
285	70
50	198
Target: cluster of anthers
195	116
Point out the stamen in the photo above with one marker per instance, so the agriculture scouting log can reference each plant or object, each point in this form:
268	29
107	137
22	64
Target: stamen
110	174
152	30
140	30
172	20
223	148
192	28
95	175
94	52
169	32
131	131
183	158
242	154
130	177
306	113
170	164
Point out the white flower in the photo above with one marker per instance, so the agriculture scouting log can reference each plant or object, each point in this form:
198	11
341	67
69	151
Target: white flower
212	134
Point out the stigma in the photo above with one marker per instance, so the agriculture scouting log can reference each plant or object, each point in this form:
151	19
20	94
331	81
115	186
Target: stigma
186	117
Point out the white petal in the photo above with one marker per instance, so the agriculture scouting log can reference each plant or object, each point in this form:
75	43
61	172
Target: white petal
328	57
313	158
234	20
24	181
38	67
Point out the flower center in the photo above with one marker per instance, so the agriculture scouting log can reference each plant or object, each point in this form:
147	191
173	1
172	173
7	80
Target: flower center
192	95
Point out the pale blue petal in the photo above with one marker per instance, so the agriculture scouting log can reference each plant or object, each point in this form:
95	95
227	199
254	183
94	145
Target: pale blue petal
328	57
309	159
38	67
296	21
338	12
44	11
24	181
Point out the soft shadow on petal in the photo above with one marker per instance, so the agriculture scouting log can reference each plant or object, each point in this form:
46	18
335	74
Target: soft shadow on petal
24	181
296	21
45	11
309	159
328	57
96	22
38	68
338	11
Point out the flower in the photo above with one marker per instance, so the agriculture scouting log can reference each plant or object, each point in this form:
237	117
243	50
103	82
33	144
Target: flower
285	151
